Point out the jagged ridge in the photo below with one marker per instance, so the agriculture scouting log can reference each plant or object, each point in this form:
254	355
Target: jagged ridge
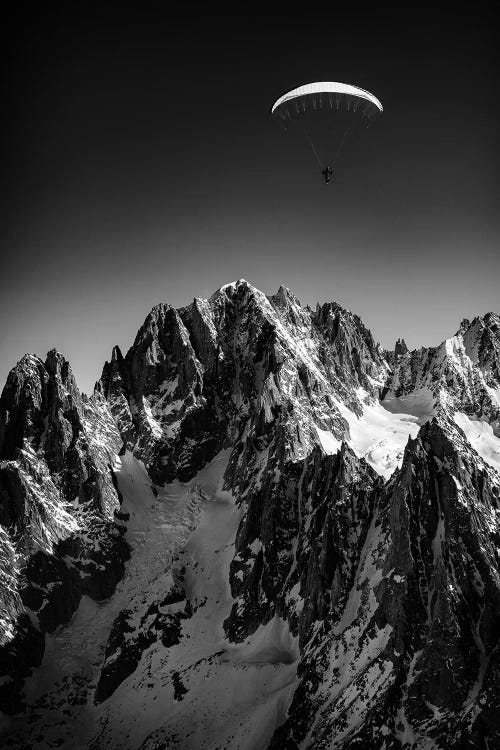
367	503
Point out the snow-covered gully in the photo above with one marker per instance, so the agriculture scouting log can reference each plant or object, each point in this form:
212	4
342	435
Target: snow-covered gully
196	692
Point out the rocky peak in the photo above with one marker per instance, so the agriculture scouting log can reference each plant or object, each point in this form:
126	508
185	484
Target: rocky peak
235	357
464	325
162	337
356	355
57	503
116	354
36	394
21	405
202	325
288	306
440	506
400	348
450	376
482	343
59	368
415	606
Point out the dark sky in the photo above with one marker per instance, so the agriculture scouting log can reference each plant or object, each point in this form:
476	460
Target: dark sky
142	166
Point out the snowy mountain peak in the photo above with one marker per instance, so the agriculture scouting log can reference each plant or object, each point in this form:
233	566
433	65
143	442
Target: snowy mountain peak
232	287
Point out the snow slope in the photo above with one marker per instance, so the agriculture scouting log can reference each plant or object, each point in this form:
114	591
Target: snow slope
247	686
482	438
226	685
380	434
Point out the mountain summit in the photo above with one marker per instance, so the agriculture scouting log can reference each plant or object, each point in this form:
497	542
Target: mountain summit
261	531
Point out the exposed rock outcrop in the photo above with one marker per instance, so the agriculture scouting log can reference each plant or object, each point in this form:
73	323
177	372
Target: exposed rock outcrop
412	655
57	504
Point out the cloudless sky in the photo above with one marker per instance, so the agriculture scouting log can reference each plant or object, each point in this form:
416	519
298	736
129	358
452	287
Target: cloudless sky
141	165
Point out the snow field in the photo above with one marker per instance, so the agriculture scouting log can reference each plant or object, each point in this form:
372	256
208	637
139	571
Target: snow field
482	438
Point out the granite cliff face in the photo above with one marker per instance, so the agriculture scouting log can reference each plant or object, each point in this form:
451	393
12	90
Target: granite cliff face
408	653
57	504
313	527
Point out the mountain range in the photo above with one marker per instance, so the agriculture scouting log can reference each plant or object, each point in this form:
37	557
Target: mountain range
261	530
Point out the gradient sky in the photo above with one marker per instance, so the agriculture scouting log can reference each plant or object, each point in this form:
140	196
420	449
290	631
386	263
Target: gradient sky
142	166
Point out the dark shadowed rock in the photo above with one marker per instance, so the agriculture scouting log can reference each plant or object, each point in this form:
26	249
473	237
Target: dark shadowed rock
57	501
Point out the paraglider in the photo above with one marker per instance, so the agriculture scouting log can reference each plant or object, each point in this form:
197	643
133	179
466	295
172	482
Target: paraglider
327	114
327	174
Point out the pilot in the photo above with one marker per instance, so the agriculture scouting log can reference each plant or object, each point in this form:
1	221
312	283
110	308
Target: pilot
327	174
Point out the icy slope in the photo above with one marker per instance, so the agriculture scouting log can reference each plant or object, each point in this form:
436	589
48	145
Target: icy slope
482	438
199	690
60	693
203	684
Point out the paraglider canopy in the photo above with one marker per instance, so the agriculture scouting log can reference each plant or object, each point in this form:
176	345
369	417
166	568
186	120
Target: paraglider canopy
328	113
318	95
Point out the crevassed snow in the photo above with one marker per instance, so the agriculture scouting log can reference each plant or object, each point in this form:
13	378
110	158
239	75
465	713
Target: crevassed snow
482	438
236	695
380	435
156	529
